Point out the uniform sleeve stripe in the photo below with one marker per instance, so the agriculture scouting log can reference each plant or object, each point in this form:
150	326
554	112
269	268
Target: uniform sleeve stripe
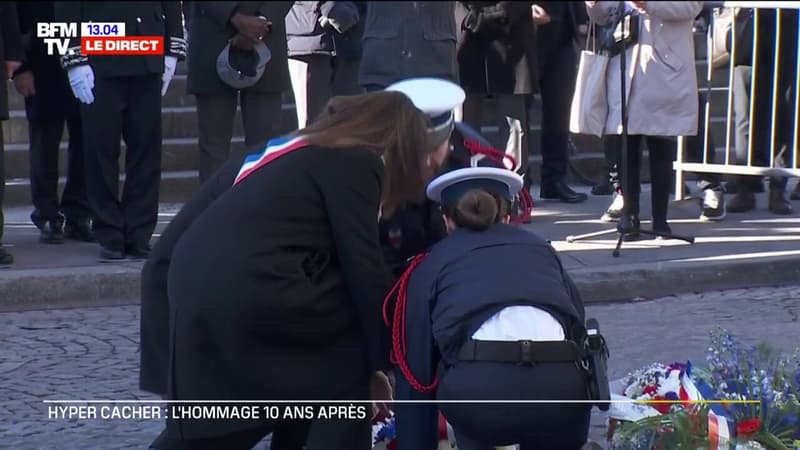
73	57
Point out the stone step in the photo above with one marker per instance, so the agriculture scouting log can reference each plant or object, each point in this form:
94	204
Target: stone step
180	154
177	96
181	121
179	186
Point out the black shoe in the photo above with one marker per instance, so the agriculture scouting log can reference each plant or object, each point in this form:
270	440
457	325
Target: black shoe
632	231
662	228
78	231
5	258
51	232
108	254
560	191
138	251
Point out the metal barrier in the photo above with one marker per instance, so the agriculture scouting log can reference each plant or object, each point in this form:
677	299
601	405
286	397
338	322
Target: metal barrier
790	167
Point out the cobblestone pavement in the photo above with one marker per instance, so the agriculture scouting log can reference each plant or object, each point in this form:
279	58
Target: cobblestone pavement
92	354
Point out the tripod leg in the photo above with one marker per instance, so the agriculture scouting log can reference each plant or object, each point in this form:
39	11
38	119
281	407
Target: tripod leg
573	238
615	253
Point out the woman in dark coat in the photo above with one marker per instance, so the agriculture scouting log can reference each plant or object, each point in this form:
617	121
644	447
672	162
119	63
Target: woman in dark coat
275	288
492	307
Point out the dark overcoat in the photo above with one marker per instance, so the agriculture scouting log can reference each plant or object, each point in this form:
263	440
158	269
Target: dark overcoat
154	317
408	39
276	289
498	56
209	32
54	99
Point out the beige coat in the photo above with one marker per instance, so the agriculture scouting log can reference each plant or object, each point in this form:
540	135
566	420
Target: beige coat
661	77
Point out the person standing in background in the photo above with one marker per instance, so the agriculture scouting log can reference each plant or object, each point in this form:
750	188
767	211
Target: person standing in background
11	55
407	40
120	96
497	59
49	103
212	26
557	34
314	31
759	81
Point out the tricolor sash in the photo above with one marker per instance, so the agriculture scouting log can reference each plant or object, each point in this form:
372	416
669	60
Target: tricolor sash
275	149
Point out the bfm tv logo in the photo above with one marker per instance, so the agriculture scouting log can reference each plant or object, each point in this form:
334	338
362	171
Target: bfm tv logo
96	39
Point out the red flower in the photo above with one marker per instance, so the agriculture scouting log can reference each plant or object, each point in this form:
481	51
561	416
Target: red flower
651	389
748	426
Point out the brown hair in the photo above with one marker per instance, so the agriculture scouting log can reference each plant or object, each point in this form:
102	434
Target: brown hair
387	123
477	210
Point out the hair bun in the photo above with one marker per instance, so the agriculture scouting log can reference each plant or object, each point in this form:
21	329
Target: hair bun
476	210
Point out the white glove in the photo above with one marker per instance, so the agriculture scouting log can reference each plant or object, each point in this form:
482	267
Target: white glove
81	78
170	63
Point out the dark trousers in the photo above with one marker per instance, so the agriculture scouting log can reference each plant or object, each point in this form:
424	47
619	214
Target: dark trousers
512	121
317	78
129	107
261	118
693	152
662	152
558	69
534	426
45	138
766	78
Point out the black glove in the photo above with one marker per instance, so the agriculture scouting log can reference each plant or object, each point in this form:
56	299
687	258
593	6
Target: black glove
490	27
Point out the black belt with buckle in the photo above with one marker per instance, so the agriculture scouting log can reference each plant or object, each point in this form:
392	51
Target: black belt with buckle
520	352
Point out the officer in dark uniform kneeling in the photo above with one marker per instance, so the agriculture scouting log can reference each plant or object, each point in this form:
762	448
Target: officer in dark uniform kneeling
120	95
492	307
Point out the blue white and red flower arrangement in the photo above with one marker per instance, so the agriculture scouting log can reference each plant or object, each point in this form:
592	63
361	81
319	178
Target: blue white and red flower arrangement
746	398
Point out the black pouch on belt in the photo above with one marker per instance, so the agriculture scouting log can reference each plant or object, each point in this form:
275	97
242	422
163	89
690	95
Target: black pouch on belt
597	359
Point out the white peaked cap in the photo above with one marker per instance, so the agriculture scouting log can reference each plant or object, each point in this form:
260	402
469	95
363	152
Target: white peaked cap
434	96
450	185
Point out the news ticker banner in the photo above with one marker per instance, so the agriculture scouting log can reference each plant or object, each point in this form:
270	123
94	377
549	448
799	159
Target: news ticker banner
96	38
139	410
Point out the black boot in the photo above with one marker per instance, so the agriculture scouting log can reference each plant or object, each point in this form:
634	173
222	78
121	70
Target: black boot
744	200
561	191
778	204
51	232
78	230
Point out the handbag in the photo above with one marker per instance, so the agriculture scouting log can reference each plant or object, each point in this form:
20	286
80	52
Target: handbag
589	107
